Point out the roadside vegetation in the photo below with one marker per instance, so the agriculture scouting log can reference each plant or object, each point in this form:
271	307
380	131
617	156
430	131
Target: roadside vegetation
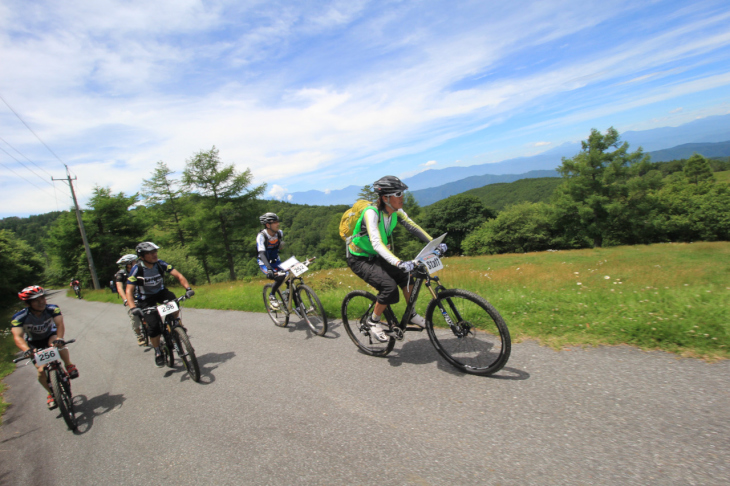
671	297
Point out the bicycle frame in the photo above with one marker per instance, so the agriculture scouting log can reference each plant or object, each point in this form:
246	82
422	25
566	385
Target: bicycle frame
292	282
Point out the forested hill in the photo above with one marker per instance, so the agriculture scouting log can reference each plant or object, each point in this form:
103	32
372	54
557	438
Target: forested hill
424	197
32	229
498	196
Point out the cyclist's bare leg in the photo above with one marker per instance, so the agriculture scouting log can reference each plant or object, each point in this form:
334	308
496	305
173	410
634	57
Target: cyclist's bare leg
42	378
155	342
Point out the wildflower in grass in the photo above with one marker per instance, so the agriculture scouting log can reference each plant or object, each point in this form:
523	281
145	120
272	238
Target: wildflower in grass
607	277
579	283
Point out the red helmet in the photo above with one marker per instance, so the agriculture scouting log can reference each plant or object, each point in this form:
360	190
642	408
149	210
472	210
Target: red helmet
32	292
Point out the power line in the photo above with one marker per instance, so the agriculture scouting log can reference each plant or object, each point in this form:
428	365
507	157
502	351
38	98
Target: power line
26	158
31	130
21	163
26	180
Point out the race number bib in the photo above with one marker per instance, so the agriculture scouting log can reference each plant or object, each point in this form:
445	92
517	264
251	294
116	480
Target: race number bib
47	356
166	309
299	269
433	263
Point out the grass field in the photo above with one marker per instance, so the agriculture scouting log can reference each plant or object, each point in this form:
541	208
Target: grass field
723	176
667	296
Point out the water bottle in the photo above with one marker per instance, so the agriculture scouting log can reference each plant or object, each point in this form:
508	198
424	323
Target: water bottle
285	295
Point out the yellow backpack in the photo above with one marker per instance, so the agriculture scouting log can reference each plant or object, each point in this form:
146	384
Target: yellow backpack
350	217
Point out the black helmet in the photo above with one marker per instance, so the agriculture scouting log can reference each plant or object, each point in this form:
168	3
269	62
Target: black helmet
388	185
268	218
146	246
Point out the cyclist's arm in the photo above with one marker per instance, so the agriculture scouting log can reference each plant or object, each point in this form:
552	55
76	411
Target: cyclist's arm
130	295
412	227
120	288
19	338
180	277
371	223
261	248
60	326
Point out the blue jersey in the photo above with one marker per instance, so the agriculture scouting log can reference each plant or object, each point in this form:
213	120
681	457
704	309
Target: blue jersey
149	281
37	327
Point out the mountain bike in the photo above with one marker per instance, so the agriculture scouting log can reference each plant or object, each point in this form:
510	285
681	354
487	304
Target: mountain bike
58	380
175	338
77	289
297	298
463	327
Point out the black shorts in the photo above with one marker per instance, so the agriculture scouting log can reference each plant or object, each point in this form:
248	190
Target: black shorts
154	324
385	277
39	343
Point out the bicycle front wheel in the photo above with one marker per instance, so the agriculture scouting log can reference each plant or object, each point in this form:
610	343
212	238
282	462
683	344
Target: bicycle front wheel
312	310
166	344
187	353
468	332
64	400
356	308
278	315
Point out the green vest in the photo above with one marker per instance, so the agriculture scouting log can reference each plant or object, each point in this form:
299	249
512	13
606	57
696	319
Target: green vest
360	244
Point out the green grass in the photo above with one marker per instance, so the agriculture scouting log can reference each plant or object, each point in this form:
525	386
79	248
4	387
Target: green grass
723	176
8	351
671	297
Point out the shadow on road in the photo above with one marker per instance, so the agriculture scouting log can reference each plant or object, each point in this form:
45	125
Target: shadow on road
207	363
421	351
88	409
302	325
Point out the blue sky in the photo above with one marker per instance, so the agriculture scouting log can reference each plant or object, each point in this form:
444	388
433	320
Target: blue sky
321	95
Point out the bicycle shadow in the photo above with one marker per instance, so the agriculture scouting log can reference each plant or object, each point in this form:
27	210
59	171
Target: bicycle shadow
302	325
88	409
421	352
207	363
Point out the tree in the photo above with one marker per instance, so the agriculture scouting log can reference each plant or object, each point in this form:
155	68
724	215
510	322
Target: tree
596	184
21	266
697	169
166	193
520	228
367	193
456	215
223	195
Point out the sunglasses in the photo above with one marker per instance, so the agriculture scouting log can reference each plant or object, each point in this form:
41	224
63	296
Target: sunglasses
396	194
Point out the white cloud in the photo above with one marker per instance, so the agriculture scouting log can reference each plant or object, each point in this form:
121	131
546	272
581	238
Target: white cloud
677	110
299	93
539	144
278	192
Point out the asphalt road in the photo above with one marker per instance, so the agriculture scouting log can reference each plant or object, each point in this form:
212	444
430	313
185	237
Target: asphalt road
280	406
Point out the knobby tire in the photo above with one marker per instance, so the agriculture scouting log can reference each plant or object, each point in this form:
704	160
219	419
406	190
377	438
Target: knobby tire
312	310
63	399
279	316
479	343
188	353
356	308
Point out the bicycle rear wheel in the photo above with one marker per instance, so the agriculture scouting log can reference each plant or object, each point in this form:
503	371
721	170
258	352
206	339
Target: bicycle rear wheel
63	398
468	332
279	316
187	353
312	310
356	308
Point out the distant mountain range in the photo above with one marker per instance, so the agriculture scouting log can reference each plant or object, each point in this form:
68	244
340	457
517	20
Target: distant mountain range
709	136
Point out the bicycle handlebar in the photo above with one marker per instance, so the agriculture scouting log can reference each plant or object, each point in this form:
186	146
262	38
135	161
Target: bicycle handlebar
153	309
18	360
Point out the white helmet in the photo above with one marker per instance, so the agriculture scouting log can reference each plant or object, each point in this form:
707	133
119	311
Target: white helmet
126	259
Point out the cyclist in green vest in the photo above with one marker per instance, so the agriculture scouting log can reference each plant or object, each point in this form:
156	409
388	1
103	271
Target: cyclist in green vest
370	255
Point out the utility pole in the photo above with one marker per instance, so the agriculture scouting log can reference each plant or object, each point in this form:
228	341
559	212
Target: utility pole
92	268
